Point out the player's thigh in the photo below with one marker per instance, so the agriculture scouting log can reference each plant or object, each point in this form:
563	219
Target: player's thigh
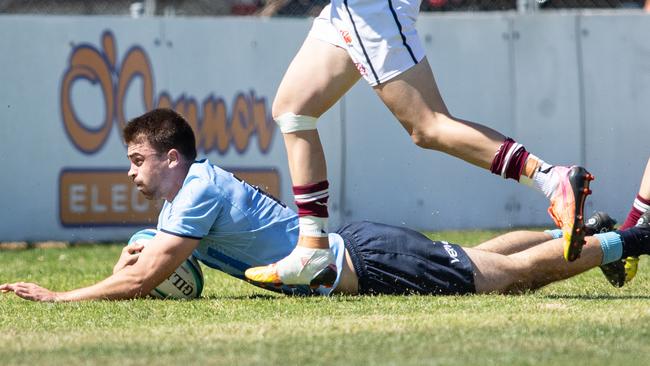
413	96
319	75
493	272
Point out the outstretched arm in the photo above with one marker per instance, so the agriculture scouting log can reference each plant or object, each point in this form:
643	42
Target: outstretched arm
155	263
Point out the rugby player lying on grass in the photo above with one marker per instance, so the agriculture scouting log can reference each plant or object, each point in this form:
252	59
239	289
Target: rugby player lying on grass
231	226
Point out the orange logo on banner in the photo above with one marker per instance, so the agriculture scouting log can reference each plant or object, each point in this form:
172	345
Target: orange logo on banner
107	196
215	128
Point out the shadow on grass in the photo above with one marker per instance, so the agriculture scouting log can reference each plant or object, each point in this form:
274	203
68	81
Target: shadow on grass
280	297
357	298
241	297
599	297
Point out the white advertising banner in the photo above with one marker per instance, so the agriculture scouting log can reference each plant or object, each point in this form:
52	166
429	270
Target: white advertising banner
69	85
571	87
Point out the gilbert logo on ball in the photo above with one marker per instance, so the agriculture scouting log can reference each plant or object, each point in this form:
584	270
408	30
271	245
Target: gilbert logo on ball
186	282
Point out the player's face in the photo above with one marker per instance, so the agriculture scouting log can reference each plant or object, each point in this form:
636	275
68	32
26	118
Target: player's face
148	169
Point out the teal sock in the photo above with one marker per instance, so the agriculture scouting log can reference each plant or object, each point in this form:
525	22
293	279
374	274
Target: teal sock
555	233
612	246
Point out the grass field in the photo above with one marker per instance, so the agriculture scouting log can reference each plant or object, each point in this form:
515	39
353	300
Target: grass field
583	321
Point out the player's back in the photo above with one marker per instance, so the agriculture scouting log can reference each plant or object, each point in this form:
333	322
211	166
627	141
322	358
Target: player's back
250	226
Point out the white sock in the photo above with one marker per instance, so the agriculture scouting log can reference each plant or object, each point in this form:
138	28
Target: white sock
544	179
541	165
313	226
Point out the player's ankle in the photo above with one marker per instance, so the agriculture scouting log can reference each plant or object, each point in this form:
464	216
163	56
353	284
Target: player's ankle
611	245
636	241
313	242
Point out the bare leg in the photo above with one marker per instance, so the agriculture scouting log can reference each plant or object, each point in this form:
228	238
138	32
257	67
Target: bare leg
530	269
427	120
316	79
644	191
513	242
415	100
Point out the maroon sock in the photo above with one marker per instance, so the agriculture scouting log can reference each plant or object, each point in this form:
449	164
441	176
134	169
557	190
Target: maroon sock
640	206
510	160
311	199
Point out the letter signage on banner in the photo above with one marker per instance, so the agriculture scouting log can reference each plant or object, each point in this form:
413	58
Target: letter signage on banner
105	195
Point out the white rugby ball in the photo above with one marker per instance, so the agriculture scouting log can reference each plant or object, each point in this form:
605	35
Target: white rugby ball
186	282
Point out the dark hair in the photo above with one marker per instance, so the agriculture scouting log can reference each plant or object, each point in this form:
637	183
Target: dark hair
164	129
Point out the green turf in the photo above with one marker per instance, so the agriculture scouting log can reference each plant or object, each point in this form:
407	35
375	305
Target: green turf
582	321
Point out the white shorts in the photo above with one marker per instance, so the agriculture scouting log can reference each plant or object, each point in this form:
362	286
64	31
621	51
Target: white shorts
379	35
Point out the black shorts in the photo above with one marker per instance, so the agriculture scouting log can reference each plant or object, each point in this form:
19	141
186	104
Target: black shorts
395	260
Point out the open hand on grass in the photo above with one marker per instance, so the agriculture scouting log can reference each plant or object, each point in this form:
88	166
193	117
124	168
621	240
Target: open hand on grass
29	291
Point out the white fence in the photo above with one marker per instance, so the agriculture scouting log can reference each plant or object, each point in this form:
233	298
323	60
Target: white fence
574	88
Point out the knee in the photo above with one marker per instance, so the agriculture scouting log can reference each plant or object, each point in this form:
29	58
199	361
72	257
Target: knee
290	122
283	110
283	104
278	108
429	133
425	138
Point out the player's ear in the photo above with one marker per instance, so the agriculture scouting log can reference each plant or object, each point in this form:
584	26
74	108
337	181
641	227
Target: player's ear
173	158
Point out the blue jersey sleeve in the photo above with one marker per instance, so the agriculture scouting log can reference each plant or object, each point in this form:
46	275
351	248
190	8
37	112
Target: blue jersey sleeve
194	209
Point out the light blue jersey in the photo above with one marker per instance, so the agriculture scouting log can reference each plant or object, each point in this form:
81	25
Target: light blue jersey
239	225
